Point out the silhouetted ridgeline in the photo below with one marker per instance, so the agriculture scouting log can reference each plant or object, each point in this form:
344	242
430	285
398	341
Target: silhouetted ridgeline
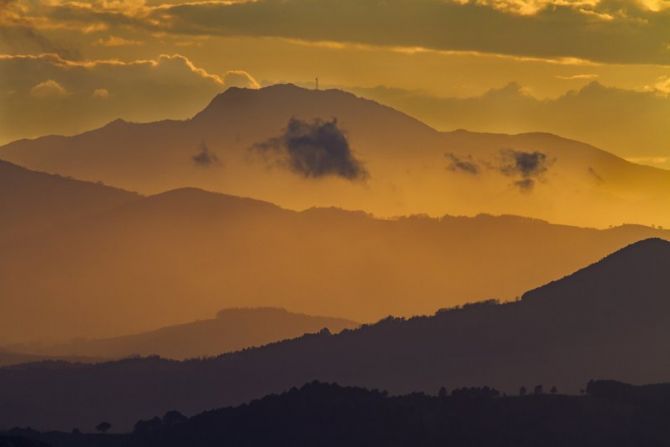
610	414
372	157
189	253
611	319
231	330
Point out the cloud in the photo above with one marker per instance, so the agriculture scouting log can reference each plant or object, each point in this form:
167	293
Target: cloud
115	41
48	89
100	93
616	31
20	31
530	166
240	78
466	165
578	77
205	158
314	149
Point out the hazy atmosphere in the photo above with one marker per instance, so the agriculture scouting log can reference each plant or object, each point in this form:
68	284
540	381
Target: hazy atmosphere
334	222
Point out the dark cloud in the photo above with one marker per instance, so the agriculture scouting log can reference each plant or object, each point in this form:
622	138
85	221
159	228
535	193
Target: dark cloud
205	158
529	166
314	149
466	165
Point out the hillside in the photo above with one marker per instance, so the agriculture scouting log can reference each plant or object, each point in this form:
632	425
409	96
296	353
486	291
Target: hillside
608	320
231	330
182	255
612	414
302	148
32	202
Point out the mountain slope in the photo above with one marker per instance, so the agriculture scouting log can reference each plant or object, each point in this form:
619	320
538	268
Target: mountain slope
231	330
612	414
246	143
183	255
609	320
31	201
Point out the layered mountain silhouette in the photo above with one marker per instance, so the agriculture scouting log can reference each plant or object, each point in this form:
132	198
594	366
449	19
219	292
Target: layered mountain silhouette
8	358
302	148
180	256
626	122
609	320
32	202
231	330
611	413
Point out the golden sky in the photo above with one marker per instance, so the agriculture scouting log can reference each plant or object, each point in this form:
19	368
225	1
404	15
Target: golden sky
67	66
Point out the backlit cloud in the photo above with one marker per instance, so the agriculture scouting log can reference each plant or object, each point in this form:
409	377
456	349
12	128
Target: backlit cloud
48	89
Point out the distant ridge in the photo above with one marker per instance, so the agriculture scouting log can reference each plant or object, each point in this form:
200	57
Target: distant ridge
559	335
186	253
33	202
409	167
232	330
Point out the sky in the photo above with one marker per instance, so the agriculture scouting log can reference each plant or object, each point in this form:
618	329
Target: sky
68	66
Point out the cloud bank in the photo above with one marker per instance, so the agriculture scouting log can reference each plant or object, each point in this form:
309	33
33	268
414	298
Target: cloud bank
615	31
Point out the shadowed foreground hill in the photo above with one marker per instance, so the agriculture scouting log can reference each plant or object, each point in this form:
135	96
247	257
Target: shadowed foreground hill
612	414
184	254
611	319
231	330
8	358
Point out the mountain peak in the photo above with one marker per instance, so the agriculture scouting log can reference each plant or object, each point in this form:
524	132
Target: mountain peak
637	271
646	251
234	96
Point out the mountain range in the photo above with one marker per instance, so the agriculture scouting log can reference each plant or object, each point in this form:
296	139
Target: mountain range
105	268
608	320
628	123
610	413
302	148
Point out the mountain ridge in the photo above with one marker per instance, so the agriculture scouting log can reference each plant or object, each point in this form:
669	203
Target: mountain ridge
545	338
238	145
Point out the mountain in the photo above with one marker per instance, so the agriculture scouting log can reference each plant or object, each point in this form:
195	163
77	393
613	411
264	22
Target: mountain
612	414
280	144
32	202
182	255
231	330
609	320
626	122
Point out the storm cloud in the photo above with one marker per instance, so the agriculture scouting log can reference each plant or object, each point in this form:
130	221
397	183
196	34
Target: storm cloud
458	164
314	149
528	166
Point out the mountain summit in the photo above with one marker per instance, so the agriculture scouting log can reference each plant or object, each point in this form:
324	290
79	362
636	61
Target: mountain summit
262	143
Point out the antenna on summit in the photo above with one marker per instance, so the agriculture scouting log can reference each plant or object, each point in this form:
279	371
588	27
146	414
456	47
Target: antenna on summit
316	83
